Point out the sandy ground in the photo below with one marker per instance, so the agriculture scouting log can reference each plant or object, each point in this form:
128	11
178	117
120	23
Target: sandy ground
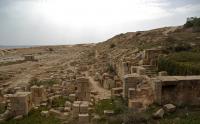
49	64
47	61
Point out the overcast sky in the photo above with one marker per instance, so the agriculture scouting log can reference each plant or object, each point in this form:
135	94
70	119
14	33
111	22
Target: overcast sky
48	22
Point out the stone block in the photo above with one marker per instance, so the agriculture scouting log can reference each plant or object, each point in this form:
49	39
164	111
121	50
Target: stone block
83	118
162	73
55	113
108	112
38	94
21	103
169	108
72	97
45	113
84	107
159	114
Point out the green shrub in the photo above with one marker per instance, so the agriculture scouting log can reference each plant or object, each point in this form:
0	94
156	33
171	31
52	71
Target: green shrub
193	22
181	63
112	45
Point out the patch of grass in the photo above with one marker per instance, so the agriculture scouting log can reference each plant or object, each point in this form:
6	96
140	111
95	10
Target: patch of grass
117	105
11	63
151	109
175	118
59	102
34	117
107	104
2	109
180	63
37	82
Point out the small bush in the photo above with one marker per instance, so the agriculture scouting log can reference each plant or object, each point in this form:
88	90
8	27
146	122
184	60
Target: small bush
112	45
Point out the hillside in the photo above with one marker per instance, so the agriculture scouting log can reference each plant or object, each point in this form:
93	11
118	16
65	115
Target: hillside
171	39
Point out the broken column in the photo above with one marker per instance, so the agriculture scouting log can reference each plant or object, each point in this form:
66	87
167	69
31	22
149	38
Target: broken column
38	94
21	103
83	93
79	107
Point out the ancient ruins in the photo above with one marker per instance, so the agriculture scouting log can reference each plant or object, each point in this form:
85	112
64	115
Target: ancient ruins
110	80
83	85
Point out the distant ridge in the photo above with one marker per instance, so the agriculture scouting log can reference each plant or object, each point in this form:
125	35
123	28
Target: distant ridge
10	47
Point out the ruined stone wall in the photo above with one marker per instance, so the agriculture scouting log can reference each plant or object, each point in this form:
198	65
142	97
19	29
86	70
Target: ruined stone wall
179	90
130	81
151	56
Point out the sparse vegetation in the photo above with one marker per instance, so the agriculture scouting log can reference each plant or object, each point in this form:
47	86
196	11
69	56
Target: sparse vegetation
112	45
35	81
193	22
110	69
34	117
117	105
2	109
180	63
59	102
11	63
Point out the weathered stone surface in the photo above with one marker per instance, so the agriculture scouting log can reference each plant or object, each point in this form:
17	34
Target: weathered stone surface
21	103
83	118
84	107
130	81
72	97
55	113
61	109
29	58
116	91
162	73
177	90
108	112
136	105
75	108
68	104
141	70
169	108
82	92
45	113
159	114
18	117
67	109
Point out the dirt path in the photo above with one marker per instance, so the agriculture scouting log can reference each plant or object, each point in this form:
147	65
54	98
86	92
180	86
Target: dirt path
102	93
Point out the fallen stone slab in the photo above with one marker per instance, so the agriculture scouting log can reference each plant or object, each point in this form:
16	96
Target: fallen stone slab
54	112
45	113
108	112
18	117
159	114
170	108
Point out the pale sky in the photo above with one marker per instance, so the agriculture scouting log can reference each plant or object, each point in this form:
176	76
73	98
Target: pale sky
49	22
